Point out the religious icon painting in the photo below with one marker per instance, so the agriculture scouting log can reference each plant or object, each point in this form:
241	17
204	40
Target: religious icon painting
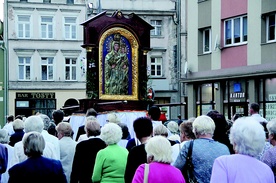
118	71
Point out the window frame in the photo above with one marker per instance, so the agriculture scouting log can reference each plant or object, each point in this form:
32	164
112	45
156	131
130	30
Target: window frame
47	27
71	25
156	64
232	31
70	65
267	28
24	24
24	64
155	32
210	41
48	65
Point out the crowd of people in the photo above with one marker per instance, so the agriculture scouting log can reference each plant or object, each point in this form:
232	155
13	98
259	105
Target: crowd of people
207	148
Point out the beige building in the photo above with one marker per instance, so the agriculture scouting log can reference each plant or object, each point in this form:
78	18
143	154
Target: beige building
46	62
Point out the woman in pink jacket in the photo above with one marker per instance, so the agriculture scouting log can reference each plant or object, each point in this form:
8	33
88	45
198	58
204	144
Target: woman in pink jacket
159	156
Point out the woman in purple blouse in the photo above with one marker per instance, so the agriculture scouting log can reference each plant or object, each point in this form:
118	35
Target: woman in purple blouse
248	139
159	157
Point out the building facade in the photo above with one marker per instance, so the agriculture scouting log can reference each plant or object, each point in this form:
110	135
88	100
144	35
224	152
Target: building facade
231	57
46	61
163	62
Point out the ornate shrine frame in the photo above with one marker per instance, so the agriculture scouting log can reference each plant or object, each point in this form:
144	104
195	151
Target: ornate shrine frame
134	64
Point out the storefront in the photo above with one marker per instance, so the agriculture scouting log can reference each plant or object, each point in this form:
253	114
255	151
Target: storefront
234	96
27	104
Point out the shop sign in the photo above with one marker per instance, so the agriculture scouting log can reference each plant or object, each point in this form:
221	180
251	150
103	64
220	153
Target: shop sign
35	95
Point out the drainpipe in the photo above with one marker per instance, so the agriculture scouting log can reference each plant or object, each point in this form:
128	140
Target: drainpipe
6	61
178	36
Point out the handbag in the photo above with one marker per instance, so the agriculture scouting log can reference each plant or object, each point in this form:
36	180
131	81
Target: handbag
189	167
146	173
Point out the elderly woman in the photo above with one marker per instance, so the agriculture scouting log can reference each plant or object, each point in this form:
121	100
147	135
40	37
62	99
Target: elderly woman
67	147
86	152
159	158
18	127
36	168
110	162
248	138
163	131
4	140
205	150
186	134
173	127
269	156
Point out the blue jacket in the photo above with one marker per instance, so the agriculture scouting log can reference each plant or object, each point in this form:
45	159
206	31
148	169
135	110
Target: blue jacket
37	169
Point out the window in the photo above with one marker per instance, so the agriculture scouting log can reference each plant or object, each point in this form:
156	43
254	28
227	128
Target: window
70	28
46	1
24	26
70	68
24	68
270	28
156	66
157	27
207	41
46	27
70	1
47	64
235	31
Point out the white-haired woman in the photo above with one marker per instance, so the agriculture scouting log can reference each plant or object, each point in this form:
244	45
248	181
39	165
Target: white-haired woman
110	162
248	138
4	140
173	127
18	127
159	157
269	156
36	168
205	150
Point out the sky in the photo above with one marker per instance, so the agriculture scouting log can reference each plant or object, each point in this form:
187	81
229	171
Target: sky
1	10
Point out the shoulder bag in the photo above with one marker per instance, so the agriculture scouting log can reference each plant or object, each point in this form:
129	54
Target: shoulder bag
146	173
189	167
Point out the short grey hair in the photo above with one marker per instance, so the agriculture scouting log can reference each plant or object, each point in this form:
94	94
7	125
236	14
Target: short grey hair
65	129
46	121
111	133
160	148
33	123
248	135
173	127
18	124
4	136
271	127
203	125
113	118
92	127
160	130
33	143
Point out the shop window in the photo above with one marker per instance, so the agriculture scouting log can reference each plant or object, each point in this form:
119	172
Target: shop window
205	98
268	105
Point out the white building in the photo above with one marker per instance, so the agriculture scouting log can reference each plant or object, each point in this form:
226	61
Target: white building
46	60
